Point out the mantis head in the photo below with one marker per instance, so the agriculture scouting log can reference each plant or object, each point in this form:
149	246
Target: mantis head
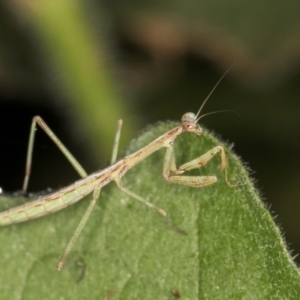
189	123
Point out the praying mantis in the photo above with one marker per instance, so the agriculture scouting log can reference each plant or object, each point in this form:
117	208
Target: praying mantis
94	182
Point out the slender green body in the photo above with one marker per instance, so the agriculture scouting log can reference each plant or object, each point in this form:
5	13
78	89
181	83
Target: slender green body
54	201
76	191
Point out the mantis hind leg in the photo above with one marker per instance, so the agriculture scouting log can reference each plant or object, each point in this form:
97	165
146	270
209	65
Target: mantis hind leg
38	120
79	228
116	142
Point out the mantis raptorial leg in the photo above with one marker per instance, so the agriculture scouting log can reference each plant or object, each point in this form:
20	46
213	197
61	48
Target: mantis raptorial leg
94	182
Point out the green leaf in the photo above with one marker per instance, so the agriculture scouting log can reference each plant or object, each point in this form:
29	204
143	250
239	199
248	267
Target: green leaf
232	250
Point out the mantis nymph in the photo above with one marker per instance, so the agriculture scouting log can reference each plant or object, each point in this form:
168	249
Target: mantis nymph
93	183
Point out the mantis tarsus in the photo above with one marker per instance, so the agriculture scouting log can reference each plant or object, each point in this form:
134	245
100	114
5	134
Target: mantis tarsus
94	182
